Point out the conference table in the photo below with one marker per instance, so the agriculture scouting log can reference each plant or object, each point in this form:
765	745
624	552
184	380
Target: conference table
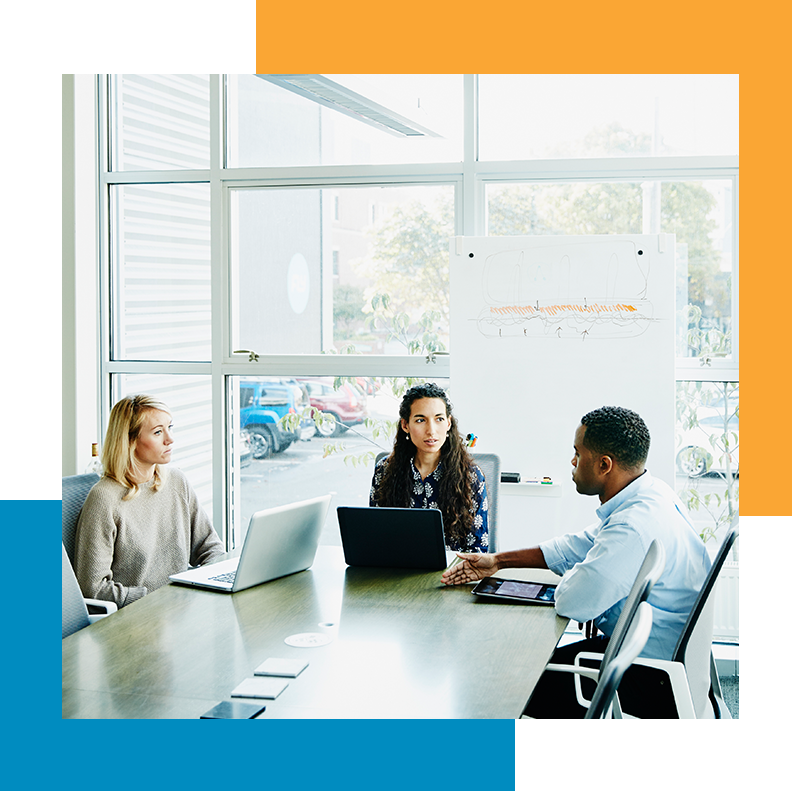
379	643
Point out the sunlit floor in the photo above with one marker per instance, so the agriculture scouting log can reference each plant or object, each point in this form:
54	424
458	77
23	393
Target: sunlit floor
730	685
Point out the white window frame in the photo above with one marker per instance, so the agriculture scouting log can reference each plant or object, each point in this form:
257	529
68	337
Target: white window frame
469	179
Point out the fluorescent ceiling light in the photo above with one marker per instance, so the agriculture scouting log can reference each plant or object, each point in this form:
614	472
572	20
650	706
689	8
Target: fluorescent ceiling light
330	93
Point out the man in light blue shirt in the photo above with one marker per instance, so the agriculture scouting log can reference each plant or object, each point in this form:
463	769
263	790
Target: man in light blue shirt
599	565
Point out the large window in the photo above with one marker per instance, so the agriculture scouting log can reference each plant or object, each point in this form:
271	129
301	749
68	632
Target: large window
343	119
700	214
309	264
159	121
279	243
160	272
281	464
572	116
189	397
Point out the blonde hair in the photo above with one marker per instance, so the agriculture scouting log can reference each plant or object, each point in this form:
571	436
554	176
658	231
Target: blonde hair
118	453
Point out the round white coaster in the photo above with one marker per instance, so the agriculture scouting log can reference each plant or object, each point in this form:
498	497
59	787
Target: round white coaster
308	640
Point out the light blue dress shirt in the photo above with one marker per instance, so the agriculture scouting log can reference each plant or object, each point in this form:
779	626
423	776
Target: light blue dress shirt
599	564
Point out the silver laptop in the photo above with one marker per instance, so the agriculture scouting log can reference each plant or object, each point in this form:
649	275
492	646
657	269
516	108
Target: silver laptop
279	541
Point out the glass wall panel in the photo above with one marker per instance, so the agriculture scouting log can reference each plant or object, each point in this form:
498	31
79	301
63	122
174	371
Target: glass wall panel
335	456
565	116
708	452
159	121
160	272
361	269
346	268
189	398
699	213
269	125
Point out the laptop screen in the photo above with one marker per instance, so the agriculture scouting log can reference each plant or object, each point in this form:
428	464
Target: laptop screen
393	537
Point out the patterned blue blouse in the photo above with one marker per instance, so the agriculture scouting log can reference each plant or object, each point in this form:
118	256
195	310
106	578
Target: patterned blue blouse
424	495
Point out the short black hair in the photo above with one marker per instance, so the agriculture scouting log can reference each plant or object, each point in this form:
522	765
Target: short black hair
619	433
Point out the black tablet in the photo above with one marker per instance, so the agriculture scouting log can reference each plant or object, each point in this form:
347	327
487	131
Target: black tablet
516	590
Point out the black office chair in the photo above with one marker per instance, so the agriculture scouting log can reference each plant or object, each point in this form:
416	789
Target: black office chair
490	465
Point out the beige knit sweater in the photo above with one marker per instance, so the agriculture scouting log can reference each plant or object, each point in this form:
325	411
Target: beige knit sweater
127	548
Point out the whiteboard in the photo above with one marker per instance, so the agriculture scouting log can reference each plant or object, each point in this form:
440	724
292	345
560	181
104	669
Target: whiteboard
545	329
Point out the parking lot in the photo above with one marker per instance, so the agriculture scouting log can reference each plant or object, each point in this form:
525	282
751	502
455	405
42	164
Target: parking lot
301	472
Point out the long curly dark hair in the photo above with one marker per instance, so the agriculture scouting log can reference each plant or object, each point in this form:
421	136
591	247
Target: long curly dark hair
454	495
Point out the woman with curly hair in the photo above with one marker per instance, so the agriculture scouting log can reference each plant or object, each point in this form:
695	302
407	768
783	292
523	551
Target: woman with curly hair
430	467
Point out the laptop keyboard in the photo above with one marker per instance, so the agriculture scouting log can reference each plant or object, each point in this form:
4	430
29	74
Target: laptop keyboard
227	577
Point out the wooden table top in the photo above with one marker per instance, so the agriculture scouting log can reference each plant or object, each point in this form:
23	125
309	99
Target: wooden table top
402	645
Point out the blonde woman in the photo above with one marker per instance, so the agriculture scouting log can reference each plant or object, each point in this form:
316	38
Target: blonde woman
140	522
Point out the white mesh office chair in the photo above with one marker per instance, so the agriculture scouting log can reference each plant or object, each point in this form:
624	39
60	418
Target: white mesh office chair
602	703
692	674
490	465
74	608
74	490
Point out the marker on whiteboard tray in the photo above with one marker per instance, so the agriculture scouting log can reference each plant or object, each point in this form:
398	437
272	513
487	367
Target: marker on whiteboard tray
470	440
547	479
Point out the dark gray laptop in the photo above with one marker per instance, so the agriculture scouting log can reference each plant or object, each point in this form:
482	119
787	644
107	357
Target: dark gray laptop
279	541
393	537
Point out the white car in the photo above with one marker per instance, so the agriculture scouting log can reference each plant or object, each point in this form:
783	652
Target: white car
710	446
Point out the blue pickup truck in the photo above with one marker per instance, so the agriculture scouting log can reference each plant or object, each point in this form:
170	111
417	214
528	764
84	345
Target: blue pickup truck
264	401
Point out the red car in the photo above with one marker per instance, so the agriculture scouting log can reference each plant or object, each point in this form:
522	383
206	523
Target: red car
347	404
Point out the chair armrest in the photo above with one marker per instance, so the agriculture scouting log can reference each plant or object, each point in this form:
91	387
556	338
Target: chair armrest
98	608
588	672
579	671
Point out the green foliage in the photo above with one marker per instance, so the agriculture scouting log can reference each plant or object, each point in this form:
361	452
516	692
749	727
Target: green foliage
721	398
607	140
363	460
705	342
613	139
293	420
685	208
409	261
408	266
382	430
419	338
348	304
515	211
